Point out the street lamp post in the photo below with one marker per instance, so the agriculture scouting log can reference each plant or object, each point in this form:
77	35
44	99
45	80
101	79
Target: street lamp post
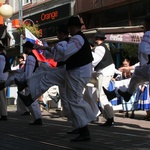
20	18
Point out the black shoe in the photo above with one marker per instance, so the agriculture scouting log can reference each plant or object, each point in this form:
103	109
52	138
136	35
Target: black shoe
20	85
126	115
2	85
125	95
41	103
108	123
27	100
132	116
84	135
3	118
81	138
36	122
55	98
26	114
110	94
75	131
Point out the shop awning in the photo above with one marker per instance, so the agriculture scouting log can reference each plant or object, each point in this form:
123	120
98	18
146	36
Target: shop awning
128	34
134	38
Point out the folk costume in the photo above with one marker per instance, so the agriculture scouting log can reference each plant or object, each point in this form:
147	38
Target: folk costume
74	78
4	67
104	68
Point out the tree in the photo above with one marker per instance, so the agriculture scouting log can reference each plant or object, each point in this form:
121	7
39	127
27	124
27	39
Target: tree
130	51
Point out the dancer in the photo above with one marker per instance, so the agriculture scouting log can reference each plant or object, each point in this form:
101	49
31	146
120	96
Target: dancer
78	57
104	69
22	74
4	67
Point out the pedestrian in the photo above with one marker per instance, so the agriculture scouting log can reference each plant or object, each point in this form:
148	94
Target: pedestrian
78	57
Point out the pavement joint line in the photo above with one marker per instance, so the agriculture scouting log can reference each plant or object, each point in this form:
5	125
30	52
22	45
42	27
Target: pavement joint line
41	142
44	123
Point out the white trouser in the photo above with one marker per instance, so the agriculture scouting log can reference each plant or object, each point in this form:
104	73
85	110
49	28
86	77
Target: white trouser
122	85
90	96
34	108
21	108
11	77
80	111
62	92
106	106
140	76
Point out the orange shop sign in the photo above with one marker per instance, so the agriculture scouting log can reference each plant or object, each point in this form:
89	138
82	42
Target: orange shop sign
48	16
51	15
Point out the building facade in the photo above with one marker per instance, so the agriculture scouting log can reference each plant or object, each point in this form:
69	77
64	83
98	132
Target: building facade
112	13
121	20
48	14
94	13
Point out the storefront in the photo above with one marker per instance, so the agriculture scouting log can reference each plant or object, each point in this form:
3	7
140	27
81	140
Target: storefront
49	20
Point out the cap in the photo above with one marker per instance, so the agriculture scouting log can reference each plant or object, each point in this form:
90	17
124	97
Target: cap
100	35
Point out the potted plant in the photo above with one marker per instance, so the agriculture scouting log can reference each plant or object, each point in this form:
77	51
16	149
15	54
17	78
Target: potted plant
34	29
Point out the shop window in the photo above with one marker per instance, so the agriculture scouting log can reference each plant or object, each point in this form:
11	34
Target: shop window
25	2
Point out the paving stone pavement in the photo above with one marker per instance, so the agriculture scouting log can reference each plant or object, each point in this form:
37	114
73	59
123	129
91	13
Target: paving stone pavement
17	134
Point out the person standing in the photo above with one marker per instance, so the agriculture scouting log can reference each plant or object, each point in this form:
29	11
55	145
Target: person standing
104	68
78	59
126	74
4	67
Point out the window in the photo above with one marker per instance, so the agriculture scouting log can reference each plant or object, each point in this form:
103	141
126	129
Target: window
26	2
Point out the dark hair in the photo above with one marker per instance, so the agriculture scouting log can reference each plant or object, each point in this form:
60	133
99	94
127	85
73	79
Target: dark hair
91	41
28	44
20	56
127	60
74	21
63	29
